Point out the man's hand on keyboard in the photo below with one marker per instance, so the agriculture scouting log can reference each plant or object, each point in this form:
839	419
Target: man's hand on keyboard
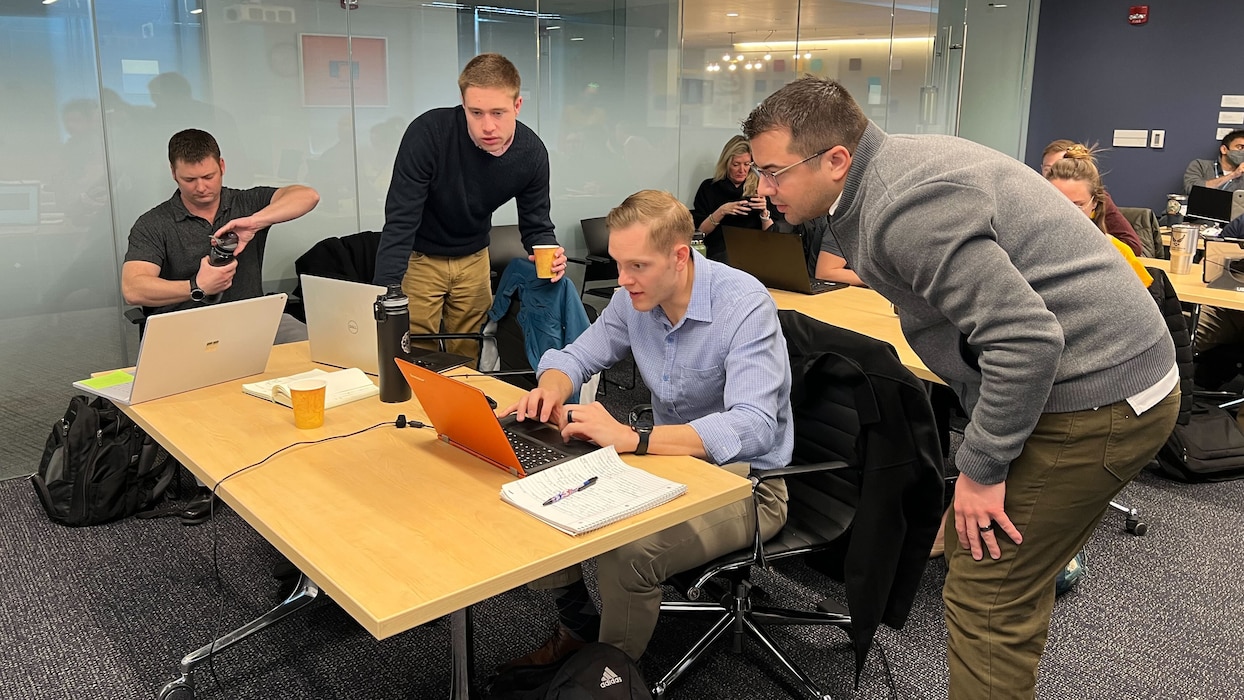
540	405
592	422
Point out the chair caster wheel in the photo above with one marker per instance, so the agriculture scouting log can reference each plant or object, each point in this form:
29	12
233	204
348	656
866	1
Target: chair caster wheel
1137	527
177	690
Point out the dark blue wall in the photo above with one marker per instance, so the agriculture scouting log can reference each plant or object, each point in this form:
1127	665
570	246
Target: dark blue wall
1095	73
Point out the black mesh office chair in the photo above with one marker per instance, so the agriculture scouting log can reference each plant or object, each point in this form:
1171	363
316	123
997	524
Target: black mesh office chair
597	265
867	470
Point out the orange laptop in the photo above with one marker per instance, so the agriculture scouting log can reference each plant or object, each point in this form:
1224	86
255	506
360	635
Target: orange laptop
462	417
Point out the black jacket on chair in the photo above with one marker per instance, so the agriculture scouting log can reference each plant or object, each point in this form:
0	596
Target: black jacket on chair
900	468
1164	294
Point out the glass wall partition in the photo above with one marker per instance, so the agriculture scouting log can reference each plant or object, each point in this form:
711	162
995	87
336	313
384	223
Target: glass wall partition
626	94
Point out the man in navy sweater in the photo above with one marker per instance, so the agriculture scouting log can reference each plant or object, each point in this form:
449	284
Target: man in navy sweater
454	168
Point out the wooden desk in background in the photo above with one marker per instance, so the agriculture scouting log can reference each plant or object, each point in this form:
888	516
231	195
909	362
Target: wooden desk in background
1191	289
396	526
861	310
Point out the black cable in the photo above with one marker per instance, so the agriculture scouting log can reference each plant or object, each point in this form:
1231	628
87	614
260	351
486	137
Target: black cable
400	422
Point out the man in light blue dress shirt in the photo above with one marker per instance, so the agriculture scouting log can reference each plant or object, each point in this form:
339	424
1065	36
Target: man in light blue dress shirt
707	342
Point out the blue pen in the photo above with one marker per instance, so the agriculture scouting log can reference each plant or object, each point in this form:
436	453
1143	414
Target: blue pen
570	491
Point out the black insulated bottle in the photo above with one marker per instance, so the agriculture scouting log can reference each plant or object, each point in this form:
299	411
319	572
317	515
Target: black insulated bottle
221	254
392	340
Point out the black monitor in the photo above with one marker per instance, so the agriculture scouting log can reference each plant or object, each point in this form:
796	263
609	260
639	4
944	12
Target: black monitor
1210	204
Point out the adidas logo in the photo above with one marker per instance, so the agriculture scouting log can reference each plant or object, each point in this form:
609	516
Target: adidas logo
609	678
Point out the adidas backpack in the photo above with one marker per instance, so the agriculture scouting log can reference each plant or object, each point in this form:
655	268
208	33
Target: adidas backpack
598	671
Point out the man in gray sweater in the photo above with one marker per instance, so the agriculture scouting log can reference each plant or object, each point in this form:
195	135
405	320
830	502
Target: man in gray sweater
1014	298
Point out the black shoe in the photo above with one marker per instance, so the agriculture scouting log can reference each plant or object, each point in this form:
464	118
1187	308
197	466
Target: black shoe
198	509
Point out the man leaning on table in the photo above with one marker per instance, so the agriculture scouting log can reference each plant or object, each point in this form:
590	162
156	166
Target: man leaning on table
1010	294
706	340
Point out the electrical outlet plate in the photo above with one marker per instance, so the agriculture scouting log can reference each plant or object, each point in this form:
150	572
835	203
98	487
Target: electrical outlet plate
1157	138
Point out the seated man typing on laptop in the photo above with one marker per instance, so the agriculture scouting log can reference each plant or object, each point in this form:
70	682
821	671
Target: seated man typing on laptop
707	342
167	266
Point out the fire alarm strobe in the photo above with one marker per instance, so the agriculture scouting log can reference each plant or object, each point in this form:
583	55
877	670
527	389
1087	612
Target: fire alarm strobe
1138	14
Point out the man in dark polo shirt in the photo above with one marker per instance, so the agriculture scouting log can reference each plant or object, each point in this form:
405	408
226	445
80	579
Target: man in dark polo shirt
166	266
454	168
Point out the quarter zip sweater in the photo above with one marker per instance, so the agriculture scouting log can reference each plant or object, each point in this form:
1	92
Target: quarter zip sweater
1004	288
445	189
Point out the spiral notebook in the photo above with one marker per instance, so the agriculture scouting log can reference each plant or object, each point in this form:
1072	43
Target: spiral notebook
618	492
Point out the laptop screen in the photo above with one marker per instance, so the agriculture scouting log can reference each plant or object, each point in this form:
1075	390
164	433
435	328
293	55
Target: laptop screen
1209	203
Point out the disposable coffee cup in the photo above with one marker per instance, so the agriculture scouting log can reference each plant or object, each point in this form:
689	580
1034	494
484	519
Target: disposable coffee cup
307	398
544	260
1183	247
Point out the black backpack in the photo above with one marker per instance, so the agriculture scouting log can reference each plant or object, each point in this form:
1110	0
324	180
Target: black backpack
1209	448
598	671
98	466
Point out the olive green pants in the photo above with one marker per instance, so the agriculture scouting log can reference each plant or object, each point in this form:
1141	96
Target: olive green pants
998	611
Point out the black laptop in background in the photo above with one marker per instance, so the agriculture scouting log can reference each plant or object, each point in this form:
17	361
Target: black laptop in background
1210	204
776	259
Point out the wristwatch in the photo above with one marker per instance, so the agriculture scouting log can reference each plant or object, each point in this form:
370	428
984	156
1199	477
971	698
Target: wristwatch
641	422
196	293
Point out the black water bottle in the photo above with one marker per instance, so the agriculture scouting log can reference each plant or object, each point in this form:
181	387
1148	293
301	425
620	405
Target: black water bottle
221	254
392	340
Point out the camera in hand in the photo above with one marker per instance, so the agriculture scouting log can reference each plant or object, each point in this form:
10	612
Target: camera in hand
221	253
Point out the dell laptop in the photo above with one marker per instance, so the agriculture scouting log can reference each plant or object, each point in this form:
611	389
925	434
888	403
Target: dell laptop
341	326
191	349
462	417
776	259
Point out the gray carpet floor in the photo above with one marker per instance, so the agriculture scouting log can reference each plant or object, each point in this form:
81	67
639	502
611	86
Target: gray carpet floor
106	612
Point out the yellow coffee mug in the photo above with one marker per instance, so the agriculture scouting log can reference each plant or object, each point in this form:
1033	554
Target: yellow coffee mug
545	254
307	397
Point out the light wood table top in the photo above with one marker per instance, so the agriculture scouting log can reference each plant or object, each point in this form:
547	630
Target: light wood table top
1192	289
397	526
861	310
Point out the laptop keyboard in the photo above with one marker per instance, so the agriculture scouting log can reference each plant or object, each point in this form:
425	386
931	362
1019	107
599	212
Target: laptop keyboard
531	455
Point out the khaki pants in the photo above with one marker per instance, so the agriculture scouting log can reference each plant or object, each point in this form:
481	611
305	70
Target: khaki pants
457	291
998	611
629	577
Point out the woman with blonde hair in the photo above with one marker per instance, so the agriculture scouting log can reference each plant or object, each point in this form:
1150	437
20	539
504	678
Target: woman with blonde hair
729	198
1076	176
1115	223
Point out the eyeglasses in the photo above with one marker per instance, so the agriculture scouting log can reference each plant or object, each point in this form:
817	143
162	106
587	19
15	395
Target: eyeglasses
772	178
1088	206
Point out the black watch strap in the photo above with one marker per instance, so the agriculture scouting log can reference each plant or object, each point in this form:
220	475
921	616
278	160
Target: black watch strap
196	292
641	422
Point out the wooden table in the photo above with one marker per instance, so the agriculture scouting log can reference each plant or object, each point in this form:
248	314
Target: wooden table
1192	290
396	526
861	310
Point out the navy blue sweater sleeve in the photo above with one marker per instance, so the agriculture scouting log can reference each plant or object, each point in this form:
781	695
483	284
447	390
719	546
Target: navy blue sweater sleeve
413	170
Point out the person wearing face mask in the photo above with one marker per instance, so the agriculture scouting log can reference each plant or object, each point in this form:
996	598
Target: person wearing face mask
729	198
1226	172
1107	215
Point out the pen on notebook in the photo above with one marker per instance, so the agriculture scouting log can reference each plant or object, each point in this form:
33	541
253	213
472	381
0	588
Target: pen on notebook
570	491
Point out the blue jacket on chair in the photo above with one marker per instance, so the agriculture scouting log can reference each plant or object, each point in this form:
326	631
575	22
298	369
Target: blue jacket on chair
551	315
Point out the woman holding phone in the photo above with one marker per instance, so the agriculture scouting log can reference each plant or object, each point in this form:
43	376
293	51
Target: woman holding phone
729	198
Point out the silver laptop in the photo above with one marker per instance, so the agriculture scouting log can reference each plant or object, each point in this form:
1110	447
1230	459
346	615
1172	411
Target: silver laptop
776	259
340	322
341	325
187	350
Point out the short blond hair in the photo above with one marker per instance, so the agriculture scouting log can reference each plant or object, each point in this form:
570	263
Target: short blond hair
668	220
490	70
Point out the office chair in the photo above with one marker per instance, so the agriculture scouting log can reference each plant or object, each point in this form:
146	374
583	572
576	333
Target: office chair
597	265
1145	223
351	258
865	478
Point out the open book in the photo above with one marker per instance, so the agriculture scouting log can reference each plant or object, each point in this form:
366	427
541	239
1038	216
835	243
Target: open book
343	386
619	491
